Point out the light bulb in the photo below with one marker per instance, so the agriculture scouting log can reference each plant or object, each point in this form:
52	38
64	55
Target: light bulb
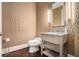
7	39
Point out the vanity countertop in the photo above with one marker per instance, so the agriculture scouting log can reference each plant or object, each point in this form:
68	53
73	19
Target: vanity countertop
55	33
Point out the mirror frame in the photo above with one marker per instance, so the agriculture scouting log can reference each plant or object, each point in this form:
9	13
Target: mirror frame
56	5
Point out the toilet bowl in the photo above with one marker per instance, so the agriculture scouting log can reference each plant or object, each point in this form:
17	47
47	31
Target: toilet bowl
34	45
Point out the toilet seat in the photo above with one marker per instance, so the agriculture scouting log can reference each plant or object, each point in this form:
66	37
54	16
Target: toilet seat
34	42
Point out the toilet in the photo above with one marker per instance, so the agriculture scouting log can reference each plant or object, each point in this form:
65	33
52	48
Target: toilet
34	45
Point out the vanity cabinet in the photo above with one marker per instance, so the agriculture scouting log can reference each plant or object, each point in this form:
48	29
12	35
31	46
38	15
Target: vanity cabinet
53	41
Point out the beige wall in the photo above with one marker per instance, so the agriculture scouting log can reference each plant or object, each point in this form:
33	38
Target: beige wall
0	17
42	17
23	21
19	22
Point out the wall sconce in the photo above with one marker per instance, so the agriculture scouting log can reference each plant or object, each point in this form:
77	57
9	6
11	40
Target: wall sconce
49	16
69	10
7	47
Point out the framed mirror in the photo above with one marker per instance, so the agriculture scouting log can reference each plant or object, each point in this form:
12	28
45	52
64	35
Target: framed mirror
58	14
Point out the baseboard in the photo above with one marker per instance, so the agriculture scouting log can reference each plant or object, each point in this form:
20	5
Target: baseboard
14	48
69	55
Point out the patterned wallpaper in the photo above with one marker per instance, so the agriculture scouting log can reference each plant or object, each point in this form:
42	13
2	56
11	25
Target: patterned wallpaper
19	22
77	29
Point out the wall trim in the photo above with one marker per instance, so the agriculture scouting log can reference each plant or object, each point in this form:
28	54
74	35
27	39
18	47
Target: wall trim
69	55
14	48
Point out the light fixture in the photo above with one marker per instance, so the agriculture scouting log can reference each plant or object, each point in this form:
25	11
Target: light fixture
49	18
7	47
69	9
